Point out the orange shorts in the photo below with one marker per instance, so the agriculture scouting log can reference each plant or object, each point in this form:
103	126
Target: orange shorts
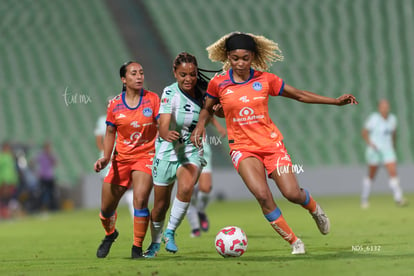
120	172
271	159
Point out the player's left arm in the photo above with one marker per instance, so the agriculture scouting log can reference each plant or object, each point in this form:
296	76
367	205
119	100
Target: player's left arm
163	128
394	138
218	126
310	97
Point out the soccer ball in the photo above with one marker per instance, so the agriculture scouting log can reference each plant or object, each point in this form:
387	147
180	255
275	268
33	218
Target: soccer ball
231	241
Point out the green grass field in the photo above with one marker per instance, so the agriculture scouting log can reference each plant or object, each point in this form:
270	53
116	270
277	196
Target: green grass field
377	241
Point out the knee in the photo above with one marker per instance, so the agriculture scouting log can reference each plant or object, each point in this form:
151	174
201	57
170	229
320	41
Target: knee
294	195
159	210
264	197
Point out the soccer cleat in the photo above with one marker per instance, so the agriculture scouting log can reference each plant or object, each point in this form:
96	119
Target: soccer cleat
365	205
152	250
298	247
402	203
106	244
195	233
168	239
322	221
136	252
203	221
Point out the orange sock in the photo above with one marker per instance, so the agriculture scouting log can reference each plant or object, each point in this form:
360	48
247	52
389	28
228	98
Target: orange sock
108	223
283	229
310	203
141	221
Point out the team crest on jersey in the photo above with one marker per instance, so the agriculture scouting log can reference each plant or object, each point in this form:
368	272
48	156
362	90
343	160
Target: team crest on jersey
165	101
257	86
147	112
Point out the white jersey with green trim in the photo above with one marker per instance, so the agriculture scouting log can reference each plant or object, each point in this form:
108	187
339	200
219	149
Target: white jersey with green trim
184	111
381	129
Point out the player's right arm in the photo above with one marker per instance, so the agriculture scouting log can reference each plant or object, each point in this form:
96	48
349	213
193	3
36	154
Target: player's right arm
108	146
205	114
365	133
164	128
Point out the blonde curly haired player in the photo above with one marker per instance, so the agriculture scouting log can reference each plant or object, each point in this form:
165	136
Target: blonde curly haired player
267	52
256	144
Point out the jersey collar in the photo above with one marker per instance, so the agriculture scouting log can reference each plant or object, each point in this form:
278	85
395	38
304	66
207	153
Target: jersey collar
140	99
250	77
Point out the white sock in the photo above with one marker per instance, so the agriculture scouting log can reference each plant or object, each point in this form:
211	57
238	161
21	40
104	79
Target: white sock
202	201
178	211
129	197
192	216
366	189
396	189
156	231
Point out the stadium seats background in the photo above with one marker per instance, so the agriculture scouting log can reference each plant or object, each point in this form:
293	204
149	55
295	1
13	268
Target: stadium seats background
50	49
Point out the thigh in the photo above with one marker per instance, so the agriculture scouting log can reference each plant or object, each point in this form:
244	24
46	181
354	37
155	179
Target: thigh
187	176
253	173
111	194
288	185
142	186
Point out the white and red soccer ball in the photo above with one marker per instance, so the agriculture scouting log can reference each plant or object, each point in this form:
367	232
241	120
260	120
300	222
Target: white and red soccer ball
231	241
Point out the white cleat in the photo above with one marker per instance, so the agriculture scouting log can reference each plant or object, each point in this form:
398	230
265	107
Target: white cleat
364	205
298	247
322	221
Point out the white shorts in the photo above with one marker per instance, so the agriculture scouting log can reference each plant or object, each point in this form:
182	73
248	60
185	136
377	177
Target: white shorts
380	156
164	173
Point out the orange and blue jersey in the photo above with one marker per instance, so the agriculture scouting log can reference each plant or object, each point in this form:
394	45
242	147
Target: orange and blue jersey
136	127
245	106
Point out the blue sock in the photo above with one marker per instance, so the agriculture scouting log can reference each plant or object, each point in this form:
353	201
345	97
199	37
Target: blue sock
274	215
307	197
141	212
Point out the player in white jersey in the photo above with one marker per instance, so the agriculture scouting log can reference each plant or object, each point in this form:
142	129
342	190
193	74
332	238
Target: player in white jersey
379	134
176	158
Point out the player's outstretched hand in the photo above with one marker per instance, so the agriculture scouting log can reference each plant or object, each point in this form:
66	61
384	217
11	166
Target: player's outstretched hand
218	110
100	164
171	136
197	136
346	99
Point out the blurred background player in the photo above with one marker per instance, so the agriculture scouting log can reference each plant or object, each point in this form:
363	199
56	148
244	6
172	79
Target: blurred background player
132	120
256	144
8	179
99	132
45	170
196	213
379	133
176	157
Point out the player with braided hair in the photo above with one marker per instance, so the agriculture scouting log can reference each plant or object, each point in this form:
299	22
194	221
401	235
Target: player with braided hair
176	158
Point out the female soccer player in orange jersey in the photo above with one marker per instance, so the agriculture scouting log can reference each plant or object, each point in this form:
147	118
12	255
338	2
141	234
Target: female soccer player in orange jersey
256	144
131	120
